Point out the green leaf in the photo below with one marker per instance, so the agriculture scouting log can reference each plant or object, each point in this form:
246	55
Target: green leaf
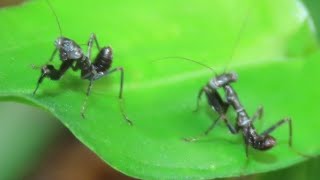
306	170
313	8
275	58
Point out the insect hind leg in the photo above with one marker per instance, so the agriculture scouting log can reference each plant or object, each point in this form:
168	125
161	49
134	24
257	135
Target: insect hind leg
92	38
233	130
279	123
197	138
108	72
84	105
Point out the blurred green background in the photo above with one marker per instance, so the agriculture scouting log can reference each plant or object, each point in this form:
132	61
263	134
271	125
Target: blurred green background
33	152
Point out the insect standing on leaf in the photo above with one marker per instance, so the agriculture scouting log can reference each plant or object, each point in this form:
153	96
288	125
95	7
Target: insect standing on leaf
221	104
244	123
73	57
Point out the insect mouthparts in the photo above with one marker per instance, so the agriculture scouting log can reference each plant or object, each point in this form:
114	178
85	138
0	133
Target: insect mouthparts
234	76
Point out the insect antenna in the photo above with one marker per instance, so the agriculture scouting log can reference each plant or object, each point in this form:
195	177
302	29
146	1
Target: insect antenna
237	40
55	15
186	59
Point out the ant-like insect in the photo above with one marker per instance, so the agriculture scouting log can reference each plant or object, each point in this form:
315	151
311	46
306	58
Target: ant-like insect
244	123
73	57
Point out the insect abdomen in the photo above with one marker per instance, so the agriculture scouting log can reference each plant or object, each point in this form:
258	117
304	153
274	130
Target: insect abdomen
103	60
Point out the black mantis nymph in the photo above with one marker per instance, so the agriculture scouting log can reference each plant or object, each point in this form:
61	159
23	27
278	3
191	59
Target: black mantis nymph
259	141
72	56
221	104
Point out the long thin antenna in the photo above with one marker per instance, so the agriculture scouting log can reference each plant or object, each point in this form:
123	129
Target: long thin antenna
187	59
54	13
232	50
236	42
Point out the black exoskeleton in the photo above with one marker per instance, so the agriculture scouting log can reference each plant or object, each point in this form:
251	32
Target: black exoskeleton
72	57
244	123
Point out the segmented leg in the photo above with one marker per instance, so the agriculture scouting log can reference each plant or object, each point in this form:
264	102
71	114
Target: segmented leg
42	76
279	123
246	144
198	99
84	105
90	41
197	138
52	73
232	129
258	114
100	75
53	54
217	105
